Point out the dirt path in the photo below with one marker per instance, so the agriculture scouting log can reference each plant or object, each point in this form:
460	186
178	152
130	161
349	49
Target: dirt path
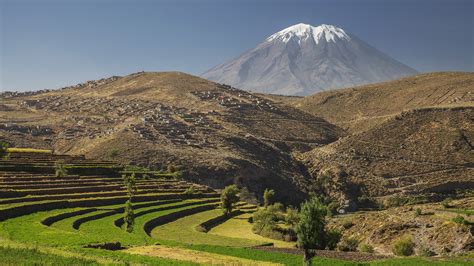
193	256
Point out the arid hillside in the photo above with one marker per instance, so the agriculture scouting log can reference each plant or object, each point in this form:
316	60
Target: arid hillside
420	155
213	133
359	108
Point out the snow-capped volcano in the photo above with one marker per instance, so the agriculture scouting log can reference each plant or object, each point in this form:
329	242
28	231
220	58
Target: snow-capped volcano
304	31
303	59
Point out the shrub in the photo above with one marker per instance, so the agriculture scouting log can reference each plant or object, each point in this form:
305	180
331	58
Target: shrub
171	168
418	212
396	201
292	217
425	252
60	169
267	195
333	207
265	220
191	190
403	246
332	238
446	203
364	247
229	197
459	219
347	224
113	153
348	244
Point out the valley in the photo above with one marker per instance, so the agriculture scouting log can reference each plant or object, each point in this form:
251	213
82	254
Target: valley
388	159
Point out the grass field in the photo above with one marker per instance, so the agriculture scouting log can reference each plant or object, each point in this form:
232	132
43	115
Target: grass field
28	150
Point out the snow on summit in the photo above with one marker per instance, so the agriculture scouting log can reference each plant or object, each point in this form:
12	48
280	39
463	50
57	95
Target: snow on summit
305	31
303	59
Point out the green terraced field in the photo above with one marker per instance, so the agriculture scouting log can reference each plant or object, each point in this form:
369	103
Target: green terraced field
50	221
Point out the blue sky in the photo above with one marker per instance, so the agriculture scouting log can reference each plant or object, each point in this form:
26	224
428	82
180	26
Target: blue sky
49	44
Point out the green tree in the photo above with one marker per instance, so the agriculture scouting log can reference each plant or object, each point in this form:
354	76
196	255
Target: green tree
229	197
60	169
129	216
310	230
130	184
267	195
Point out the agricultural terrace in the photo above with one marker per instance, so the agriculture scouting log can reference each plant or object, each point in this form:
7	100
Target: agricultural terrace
69	210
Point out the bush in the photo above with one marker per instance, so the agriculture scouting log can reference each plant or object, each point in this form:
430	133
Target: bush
418	212
332	239
459	219
364	247
403	246
171	168
265	220
348	244
347	224
425	252
332	208
60	169
446	203
113	153
292	217
191	190
395	201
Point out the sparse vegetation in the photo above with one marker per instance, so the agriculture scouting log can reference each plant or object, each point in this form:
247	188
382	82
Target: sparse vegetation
459	219
229	197
191	190
447	203
348	244
418	212
364	247
60	169
403	246
425	252
113	153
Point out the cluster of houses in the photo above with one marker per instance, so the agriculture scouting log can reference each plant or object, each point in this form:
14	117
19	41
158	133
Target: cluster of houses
177	125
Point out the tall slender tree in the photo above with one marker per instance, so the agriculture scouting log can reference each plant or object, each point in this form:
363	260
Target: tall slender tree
129	215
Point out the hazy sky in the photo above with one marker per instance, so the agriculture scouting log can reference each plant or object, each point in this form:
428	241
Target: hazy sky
50	44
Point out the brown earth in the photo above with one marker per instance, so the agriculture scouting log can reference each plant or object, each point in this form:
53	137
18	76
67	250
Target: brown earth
219	135
215	134
433	229
360	108
425	152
